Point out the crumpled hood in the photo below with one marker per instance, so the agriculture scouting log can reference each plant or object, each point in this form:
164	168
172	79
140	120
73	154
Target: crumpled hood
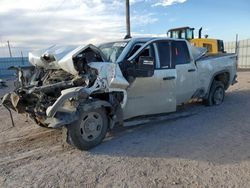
59	57
58	52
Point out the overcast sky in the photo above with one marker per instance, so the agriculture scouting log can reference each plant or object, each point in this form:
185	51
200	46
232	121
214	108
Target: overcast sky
36	24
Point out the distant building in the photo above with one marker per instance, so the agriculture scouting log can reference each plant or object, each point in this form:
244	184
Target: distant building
6	62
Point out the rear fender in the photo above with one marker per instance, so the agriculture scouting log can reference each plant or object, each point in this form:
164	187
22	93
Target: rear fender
213	78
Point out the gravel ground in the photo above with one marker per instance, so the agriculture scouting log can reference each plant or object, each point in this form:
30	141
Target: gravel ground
210	147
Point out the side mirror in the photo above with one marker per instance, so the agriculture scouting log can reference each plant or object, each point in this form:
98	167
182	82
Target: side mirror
145	67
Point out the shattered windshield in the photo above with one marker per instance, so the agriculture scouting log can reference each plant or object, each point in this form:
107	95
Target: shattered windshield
112	50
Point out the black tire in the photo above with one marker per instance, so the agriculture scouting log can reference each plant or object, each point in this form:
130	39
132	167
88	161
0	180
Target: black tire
89	131
216	95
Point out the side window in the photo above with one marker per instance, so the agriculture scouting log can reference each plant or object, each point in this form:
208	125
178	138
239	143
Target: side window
147	52
164	54
180	53
134	49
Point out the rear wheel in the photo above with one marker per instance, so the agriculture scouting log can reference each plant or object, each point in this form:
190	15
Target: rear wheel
216	94
89	130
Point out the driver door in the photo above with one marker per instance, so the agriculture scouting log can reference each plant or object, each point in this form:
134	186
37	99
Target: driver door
155	94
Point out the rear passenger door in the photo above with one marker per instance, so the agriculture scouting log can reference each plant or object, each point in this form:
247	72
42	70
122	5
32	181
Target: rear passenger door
186	71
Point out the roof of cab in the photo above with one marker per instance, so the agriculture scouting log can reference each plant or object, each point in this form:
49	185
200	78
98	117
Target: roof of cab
130	42
144	39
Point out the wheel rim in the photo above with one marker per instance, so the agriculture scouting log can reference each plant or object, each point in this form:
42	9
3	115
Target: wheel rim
218	96
91	126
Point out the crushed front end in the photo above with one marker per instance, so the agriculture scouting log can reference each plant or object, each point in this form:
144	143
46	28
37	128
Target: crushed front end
38	87
42	91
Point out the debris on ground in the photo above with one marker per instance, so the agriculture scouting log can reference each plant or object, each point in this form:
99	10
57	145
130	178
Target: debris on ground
207	149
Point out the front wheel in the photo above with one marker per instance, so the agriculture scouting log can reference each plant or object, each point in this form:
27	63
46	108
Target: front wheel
89	130
216	95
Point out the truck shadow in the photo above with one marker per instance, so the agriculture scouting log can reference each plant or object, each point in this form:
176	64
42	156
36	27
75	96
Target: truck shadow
219	134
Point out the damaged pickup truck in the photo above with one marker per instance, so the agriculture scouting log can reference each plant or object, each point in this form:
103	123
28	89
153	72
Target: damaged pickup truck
89	90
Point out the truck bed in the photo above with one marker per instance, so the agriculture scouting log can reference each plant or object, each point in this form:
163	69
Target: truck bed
208	57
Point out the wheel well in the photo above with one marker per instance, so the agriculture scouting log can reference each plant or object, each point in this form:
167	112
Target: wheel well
109	96
224	78
114	99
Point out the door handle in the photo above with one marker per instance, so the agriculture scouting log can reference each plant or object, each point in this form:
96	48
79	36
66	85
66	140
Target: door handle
169	78
191	70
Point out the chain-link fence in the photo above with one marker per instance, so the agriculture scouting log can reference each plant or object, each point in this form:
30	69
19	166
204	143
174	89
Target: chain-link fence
13	56
243	52
7	62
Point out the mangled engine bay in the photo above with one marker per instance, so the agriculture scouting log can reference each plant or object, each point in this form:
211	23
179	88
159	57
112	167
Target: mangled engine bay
43	85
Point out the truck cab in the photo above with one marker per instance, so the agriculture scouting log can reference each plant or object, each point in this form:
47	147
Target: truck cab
163	73
170	80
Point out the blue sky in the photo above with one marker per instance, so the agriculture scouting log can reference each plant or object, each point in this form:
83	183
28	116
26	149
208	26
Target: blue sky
219	18
36	24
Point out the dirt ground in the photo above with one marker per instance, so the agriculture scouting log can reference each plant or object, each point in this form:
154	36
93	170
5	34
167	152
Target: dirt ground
207	147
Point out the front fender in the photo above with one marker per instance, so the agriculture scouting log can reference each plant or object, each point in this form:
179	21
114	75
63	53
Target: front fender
94	104
63	118
65	95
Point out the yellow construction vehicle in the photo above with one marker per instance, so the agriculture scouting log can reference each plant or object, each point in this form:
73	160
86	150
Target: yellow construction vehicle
214	46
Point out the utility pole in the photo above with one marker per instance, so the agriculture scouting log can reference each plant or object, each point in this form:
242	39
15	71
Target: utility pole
237	48
236	44
9	48
128	35
22	57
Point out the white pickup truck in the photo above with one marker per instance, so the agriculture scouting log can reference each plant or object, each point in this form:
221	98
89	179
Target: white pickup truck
91	89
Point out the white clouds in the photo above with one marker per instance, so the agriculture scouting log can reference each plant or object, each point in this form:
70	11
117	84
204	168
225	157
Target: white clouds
44	22
165	3
139	19
40	23
31	6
